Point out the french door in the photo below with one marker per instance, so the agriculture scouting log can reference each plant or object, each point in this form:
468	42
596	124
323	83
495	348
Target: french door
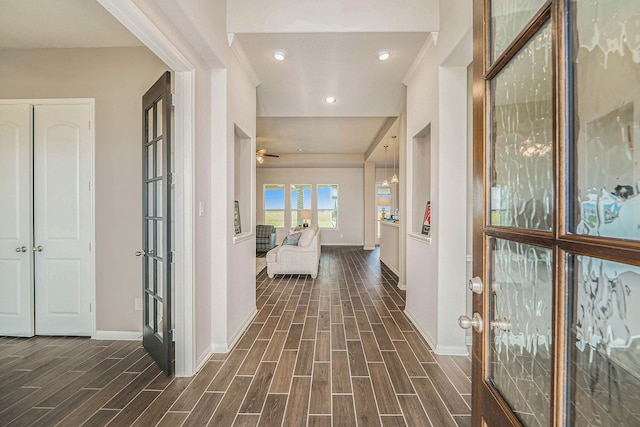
45	219
156	237
556	155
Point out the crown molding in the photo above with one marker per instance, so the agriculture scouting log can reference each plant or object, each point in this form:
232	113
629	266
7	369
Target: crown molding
243	59
427	46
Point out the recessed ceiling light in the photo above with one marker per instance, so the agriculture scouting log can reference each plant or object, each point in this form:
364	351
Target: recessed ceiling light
279	54
384	54
329	100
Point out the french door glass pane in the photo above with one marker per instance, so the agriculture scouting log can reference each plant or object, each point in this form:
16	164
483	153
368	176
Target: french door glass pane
605	344
508	19
150	169
606	72
150	134
159	110
159	325
522	138
521	281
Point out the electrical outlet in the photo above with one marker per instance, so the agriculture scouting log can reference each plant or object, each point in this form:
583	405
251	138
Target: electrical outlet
138	304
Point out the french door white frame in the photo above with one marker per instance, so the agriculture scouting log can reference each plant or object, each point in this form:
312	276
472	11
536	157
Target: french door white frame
139	25
92	259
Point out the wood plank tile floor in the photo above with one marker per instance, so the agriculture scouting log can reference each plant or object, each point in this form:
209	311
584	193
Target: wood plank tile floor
334	351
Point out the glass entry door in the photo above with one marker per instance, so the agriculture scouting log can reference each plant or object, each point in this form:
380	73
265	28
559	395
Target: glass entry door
557	151
156	236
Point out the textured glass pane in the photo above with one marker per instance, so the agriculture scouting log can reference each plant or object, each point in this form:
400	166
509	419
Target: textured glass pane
606	69
522	138
521	342
606	343
508	19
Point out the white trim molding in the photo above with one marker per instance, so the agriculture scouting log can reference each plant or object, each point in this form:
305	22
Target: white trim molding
118	335
227	347
437	349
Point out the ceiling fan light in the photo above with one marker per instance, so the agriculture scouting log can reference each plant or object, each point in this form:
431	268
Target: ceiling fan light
259	159
279	54
384	54
329	100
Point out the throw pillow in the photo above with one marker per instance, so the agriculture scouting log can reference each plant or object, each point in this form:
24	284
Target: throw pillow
292	239
307	237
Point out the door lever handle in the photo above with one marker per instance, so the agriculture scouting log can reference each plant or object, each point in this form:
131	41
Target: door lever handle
37	248
140	253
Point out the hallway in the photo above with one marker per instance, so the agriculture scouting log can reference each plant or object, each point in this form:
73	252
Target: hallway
334	351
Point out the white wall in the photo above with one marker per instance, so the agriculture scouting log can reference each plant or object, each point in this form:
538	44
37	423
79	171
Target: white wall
350	182
117	79
436	95
241	283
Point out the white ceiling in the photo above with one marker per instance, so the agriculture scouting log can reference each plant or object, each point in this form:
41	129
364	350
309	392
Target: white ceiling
34	24
291	110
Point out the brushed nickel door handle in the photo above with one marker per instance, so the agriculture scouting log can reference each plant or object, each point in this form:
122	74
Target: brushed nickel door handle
140	253
37	248
21	249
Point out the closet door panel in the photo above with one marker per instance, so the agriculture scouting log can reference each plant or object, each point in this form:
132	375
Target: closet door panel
62	219
16	289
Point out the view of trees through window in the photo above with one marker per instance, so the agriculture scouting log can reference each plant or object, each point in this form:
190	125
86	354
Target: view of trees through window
328	205
274	205
301	199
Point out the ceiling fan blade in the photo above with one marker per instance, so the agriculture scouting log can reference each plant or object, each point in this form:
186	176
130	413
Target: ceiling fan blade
270	155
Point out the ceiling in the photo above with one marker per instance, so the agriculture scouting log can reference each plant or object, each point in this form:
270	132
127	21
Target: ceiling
292	113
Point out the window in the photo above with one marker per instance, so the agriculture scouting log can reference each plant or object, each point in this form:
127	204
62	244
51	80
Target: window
328	205
274	205
300	200
383	202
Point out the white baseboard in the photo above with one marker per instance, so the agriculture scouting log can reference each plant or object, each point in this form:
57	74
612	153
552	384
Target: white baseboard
442	350
432	343
118	335
368	248
452	350
226	347
468	340
202	359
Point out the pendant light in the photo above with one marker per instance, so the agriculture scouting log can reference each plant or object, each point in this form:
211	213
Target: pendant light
385	183
394	178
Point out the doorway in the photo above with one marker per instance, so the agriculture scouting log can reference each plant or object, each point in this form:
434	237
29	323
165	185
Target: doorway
46	275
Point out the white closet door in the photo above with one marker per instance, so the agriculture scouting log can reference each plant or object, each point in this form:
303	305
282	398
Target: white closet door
16	289
62	144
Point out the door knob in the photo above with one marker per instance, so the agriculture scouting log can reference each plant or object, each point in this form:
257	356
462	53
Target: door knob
140	253
21	249
501	324
475	322
37	248
475	285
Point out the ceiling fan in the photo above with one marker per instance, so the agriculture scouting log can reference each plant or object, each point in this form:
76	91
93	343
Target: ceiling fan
262	153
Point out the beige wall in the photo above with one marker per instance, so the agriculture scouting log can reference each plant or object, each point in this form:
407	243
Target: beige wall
117	78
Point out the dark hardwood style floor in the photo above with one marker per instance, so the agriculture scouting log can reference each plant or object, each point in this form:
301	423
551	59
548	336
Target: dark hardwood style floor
334	351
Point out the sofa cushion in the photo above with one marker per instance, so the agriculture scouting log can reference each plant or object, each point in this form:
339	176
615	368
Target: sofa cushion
292	239
307	237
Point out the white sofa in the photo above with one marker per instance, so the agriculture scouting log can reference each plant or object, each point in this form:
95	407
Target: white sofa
301	259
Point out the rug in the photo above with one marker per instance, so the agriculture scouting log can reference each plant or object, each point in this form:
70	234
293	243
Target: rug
261	263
